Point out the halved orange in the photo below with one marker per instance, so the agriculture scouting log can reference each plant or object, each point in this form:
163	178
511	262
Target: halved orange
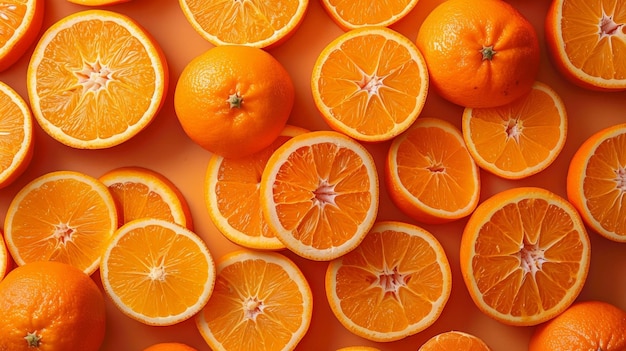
366	13
144	193
454	340
232	196
429	173
20	25
521	138
524	255
16	135
319	194
393	285
96	79
596	182
64	216
256	23
157	272
370	83
261	302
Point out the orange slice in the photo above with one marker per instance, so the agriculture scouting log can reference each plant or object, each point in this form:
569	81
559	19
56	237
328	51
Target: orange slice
16	135
97	2
366	13
63	216
393	285
233	200
261	301
429	173
4	258
20	25
519	139
524	255
358	348
370	83
96	79
585	41
254	23
454	340
157	272
596	182
319	194
144	193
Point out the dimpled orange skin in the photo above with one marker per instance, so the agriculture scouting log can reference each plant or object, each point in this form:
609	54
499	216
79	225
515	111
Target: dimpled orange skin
170	346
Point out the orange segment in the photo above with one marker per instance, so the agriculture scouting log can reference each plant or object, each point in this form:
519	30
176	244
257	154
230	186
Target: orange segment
319	194
454	340
393	285
96	79
143	193
370	83
261	301
524	255
596	182
362	13
63	216
429	173
157	272
16	135
519	139
257	23
20	25
233	200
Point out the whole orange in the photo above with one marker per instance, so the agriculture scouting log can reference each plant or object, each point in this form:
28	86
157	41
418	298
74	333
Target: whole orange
169	346
479	53
50	306
234	100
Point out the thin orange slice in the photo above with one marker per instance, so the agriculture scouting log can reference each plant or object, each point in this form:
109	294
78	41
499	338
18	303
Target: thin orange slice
63	216
429	173
370	83
143	193
596	182
16	135
453	341
519	139
358	348
97	2
261	301
319	194
4	258
257	23
20	25
367	13
233	200
393	285
96	79
524	255
157	272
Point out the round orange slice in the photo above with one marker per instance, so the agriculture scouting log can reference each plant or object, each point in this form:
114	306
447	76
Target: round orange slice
261	301
20	25
429	173
319	194
596	182
454	340
254	23
233	200
16	135
63	216
96	79
370	83
4	258
157	272
97	2
143	193
367	13
524	255
393	285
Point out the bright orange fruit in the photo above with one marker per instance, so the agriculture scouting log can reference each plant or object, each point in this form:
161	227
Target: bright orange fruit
4	258
20	25
363	13
454	341
358	348
97	2
170	346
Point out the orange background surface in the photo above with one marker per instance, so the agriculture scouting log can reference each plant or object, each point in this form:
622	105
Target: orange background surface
165	148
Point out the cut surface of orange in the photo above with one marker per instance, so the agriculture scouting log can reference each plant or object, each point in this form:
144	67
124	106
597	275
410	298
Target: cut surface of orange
429	173
370	83
596	182
16	135
319	194
393	285
362	13
233	200
64	216
257	23
585	41
21	23
524	255
96	79
97	2
4	257
454	341
143	193
157	272
261	301
519	139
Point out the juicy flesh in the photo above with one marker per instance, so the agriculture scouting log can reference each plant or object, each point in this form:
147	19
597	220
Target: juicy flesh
365	12
12	134
11	16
